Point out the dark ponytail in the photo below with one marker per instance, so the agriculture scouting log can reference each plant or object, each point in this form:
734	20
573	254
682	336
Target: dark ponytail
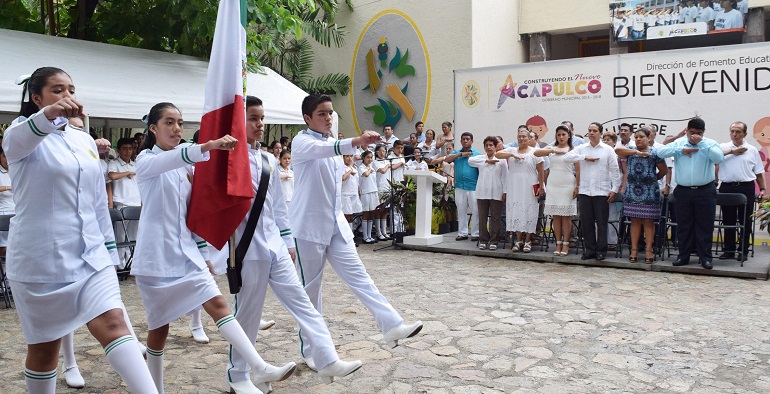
152	118
35	85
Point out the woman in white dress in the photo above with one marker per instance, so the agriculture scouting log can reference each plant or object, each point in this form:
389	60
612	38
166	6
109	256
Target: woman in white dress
562	181
61	242
171	265
428	147
523	186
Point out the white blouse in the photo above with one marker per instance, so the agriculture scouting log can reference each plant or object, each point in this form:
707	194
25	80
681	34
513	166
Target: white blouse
164	243
492	178
367	184
62	230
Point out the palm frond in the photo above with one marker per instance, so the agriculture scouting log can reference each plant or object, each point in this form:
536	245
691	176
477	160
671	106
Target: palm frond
336	83
325	33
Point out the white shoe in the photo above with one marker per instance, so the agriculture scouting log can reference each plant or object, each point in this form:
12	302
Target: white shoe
245	387
73	378
263	378
199	335
266	325
338	368
400	332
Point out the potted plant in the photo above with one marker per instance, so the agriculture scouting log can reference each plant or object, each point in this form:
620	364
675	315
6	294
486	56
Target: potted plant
404	198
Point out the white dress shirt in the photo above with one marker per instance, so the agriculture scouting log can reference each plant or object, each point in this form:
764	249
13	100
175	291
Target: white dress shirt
272	232
315	211
415	165
383	179
398	173
165	183
601	177
350	185
287	184
492	178
125	190
367	184
62	230
740	168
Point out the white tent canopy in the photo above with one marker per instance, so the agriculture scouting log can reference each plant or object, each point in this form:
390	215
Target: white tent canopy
119	84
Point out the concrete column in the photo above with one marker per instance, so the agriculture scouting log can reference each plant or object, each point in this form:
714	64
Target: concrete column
755	26
539	47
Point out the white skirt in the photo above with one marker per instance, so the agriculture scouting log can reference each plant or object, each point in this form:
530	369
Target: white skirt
369	201
168	299
49	311
351	204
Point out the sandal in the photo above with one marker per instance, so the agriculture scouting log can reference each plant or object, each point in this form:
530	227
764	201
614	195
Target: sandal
649	260
527	247
557	252
516	246
634	256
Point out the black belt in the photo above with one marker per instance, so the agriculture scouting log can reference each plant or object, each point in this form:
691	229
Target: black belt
737	183
699	187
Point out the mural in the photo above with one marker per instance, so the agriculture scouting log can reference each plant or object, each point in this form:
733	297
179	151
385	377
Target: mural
390	75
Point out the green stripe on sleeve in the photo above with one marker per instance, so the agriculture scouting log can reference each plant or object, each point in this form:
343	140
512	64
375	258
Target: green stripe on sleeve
35	129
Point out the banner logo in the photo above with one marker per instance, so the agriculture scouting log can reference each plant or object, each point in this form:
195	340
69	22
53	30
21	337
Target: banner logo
471	92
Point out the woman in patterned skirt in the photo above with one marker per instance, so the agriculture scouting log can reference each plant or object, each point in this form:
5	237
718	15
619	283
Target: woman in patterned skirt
642	199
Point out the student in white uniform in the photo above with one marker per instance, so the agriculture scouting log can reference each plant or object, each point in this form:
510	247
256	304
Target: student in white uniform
728	17
287	175
171	268
270	260
63	279
125	192
7	206
383	168
368	194
397	163
416	163
320	230
351	203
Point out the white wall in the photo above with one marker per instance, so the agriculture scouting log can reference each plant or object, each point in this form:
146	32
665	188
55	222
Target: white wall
446	30
495	33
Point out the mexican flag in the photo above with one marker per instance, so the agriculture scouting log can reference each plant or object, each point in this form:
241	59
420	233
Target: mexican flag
222	190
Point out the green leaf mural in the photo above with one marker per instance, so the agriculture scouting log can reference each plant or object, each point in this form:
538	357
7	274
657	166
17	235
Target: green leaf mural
385	113
403	68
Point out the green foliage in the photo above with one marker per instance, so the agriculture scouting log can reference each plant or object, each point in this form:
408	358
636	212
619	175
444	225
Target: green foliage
20	15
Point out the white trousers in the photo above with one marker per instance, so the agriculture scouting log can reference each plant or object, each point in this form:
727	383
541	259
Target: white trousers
282	277
465	199
343	258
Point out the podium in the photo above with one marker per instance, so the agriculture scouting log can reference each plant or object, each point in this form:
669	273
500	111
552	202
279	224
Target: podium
424	214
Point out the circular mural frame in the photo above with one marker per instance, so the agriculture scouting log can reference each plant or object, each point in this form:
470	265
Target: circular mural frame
382	71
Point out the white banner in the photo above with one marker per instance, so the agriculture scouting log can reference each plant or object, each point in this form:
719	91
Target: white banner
665	89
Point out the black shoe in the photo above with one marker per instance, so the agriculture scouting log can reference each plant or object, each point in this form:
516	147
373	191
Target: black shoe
727	255
474	239
706	264
600	256
588	256
680	262
461	238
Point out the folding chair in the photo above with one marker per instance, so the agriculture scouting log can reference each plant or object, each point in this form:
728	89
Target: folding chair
669	225
730	200
130	214
5	225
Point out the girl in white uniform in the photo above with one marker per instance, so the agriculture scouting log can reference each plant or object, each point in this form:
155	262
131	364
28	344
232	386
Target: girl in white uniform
287	175
351	204
171	268
7	207
383	168
368	192
270	260
61	243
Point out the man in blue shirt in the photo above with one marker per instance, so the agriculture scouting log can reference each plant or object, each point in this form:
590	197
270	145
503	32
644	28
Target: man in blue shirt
465	187
695	195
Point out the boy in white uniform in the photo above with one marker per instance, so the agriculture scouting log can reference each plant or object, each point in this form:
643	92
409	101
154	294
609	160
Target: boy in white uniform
269	259
125	191
320	229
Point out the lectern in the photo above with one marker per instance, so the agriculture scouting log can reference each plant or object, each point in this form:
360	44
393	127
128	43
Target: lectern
424	214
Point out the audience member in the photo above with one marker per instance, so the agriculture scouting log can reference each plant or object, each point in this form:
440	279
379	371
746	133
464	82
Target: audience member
490	193
465	187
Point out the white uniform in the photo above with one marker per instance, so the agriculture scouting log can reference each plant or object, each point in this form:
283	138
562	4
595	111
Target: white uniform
170	260
383	179
351	204
367	187
321	231
7	206
62	246
415	165
287	184
398	173
268	262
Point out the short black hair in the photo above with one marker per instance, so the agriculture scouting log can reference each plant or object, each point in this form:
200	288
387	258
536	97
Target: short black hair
696	123
252	101
626	125
398	143
311	102
125	141
599	125
467	134
418	123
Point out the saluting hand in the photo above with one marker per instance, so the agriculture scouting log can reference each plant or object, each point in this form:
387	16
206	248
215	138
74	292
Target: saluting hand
102	145
67	107
689	151
227	143
366	138
740	151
